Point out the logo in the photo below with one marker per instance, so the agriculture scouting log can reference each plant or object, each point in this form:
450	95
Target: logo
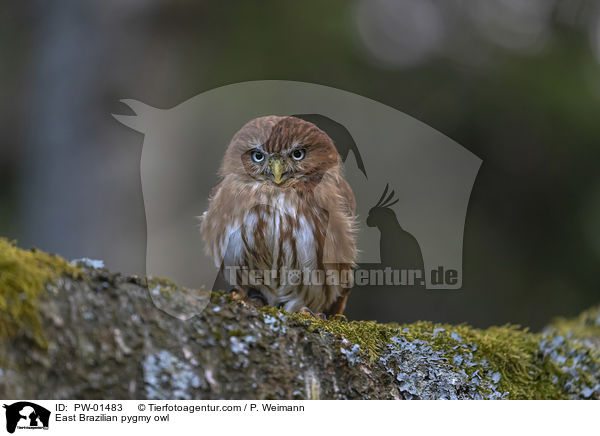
26	415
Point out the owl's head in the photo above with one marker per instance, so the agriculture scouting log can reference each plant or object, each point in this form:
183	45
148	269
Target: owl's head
280	151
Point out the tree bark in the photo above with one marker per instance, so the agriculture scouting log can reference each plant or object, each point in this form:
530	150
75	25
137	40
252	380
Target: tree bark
110	336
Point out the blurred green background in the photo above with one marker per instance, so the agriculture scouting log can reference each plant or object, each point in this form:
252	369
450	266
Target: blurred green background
517	83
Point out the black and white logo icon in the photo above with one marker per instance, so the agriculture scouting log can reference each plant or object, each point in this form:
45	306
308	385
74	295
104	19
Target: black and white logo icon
26	415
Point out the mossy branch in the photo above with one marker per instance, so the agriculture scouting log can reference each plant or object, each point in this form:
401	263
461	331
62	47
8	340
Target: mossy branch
81	332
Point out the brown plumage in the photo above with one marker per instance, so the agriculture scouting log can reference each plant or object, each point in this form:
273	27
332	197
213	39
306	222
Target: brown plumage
283	205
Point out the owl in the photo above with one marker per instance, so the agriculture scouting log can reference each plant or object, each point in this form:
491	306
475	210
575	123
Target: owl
281	223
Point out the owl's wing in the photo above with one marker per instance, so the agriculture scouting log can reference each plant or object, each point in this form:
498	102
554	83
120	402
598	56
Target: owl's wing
347	195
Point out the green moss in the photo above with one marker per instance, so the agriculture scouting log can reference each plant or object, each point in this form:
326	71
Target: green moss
23	275
586	325
237	333
160	284
574	347
508	350
221	297
369	335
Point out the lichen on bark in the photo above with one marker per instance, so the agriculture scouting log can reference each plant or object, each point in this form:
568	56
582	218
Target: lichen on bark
83	332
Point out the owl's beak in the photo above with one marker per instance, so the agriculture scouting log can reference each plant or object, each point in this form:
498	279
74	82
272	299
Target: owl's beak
277	168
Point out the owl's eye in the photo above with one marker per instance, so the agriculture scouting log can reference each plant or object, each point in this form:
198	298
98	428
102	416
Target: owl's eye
257	156
299	154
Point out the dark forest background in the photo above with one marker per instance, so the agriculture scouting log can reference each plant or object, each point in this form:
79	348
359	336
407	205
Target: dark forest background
517	83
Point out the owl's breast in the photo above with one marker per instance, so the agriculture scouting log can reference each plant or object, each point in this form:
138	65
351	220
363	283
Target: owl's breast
278	235
273	235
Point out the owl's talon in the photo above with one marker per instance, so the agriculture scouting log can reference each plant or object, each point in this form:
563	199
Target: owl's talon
256	297
306	311
235	294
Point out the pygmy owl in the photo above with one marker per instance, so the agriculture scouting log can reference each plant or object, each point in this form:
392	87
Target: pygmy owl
281	223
